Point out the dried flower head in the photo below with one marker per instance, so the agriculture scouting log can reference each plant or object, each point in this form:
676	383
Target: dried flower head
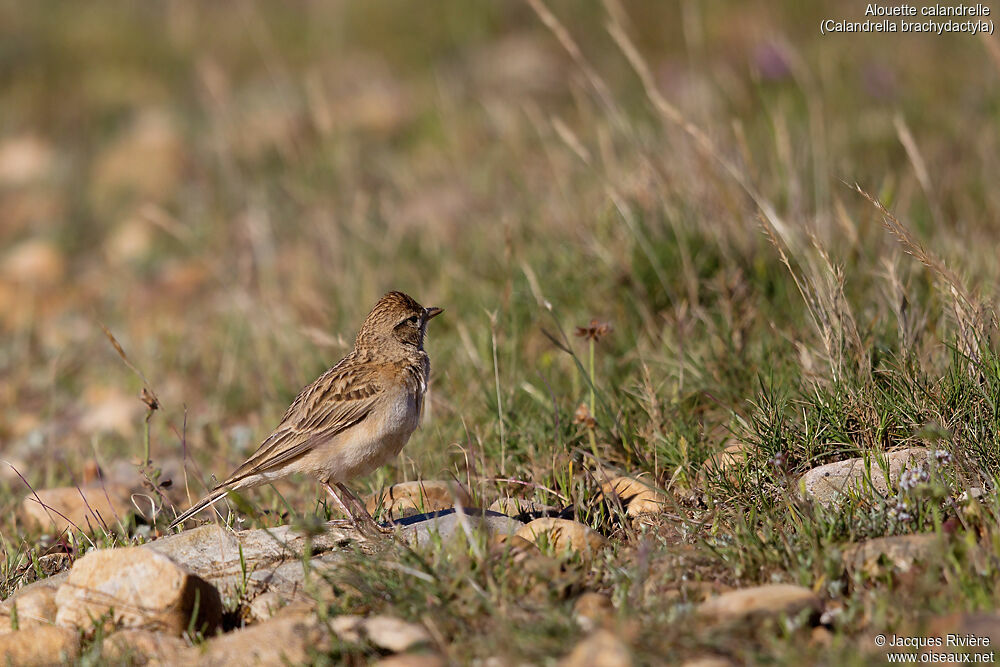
149	398
583	416
595	331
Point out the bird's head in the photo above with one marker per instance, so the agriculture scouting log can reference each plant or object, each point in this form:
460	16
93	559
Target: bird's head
396	319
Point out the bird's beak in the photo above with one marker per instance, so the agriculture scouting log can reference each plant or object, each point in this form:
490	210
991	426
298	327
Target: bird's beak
432	312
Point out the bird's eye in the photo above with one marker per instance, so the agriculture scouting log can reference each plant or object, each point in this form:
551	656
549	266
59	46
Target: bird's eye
412	319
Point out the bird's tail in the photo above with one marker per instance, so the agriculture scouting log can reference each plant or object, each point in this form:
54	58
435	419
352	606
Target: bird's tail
209	500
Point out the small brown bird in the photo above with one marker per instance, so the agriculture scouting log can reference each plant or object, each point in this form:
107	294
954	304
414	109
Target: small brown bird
354	418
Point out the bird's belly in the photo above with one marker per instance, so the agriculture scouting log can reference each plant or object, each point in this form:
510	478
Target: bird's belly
372	443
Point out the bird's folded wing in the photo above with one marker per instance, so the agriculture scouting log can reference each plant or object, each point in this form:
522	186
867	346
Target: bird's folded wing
336	401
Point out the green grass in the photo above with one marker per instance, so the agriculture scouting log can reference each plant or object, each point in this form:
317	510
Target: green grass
317	156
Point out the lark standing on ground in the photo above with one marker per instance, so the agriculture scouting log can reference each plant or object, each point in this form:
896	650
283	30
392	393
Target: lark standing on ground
354	418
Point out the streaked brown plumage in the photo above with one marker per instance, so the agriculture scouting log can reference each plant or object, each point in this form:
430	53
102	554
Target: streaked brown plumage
354	417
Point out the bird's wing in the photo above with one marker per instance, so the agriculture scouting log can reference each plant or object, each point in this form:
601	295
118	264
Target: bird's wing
336	401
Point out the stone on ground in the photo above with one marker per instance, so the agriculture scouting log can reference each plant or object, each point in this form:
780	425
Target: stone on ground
142	589
137	647
40	645
769	600
636	495
213	552
286	640
89	508
449	524
563	535
592	610
386	632
902	551
32	607
412	660
601	649
726	464
827	483
408	498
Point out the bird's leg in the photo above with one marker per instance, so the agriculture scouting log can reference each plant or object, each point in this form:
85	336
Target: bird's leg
363	511
340	503
366	518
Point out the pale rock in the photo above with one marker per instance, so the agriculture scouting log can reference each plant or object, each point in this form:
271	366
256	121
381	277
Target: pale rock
110	411
449	524
32	607
386	632
25	160
827	483
140	647
35	262
592	610
270	555
635	494
272	602
514	547
413	660
563	535
87	508
768	600
129	242
601	649
726	464
40	645
708	661
418	497
902	551
143	588
286	640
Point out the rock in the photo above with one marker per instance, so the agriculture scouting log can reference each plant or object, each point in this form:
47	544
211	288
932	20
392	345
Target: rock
31	607
418	497
514	547
281	641
827	483
902	551
521	508
213	552
143	588
708	661
40	645
88	508
386	632
601	649
110	411
820	637
563	535
413	660
592	610
636	496
25	160
272	602
130	241
35	263
139	647
447	525
769	600
726	464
